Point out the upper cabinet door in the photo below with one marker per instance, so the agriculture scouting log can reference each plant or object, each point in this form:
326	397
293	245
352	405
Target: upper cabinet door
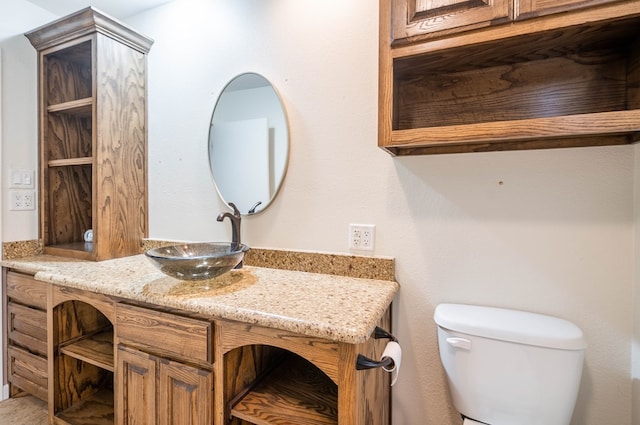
525	9
415	18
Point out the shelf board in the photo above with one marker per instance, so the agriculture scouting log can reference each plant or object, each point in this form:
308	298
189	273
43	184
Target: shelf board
88	160
295	393
79	250
96	349
616	127
96	409
80	107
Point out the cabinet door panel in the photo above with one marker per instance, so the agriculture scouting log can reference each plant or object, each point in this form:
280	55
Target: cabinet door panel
135	388
533	8
185	395
413	18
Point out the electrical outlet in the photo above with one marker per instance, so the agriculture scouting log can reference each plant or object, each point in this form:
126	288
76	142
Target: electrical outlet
28	200
22	200
362	236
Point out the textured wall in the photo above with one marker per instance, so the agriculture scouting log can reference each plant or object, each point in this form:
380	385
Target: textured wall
546	231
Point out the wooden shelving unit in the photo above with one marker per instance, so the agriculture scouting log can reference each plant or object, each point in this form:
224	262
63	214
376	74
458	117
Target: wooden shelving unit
92	125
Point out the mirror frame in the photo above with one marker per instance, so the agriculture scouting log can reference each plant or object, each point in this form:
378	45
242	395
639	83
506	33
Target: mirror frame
278	182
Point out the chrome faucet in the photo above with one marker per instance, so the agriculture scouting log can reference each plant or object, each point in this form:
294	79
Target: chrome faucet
235	228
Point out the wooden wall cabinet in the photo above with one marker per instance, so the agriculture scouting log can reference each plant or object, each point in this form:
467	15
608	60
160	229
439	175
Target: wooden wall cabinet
414	20
26	304
559	80
92	136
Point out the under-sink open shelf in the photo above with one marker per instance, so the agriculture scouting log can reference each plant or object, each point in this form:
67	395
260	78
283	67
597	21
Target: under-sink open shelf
96	349
294	393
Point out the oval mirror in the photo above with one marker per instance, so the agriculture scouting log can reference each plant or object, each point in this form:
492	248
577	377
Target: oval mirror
248	143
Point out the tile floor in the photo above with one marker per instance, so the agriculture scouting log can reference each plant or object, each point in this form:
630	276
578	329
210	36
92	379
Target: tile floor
23	411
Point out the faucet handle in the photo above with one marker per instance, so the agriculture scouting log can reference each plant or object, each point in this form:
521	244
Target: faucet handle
252	210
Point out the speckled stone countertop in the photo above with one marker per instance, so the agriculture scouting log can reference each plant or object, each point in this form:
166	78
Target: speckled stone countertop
338	308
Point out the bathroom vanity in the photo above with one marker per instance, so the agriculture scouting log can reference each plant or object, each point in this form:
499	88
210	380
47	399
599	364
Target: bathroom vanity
119	342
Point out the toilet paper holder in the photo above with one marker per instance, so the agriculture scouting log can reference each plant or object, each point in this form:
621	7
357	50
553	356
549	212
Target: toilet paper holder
364	362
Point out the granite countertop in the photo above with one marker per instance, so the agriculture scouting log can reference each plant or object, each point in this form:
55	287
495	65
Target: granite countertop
343	309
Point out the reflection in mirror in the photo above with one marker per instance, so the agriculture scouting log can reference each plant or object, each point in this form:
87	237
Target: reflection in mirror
248	143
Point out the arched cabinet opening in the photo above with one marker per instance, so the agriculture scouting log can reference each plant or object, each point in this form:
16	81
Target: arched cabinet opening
83	361
270	385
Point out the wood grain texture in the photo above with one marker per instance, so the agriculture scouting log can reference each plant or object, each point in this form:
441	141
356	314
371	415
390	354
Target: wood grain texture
136	388
24	289
417	18
79	391
27	327
96	349
68	75
322	353
93	136
633	75
185	394
96	409
569	85
27	371
68	204
556	82
526	9
120	171
240	370
295	393
165	333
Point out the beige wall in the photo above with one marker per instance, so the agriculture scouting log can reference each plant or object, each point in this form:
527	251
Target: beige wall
555	237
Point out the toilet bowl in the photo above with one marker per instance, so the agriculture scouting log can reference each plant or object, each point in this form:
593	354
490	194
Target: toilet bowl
509	367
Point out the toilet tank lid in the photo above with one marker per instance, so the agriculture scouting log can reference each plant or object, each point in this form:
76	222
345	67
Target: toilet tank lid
510	325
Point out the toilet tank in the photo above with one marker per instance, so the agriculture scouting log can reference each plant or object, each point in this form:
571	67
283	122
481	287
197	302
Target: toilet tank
508	367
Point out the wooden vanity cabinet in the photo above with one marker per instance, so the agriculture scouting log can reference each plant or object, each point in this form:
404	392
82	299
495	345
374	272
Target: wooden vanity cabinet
92	136
105	361
164	374
26	303
561	80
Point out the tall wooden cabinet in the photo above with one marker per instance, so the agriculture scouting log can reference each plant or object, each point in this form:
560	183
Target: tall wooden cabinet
456	79
92	136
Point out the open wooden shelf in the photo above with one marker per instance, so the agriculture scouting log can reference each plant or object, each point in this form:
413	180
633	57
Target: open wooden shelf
558	81
295	393
94	410
79	107
79	250
87	160
96	349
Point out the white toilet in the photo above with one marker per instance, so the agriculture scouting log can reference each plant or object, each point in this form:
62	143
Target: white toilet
508	367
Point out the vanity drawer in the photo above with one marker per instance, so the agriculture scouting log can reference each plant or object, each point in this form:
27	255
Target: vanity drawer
28	372
23	288
27	327
164	333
